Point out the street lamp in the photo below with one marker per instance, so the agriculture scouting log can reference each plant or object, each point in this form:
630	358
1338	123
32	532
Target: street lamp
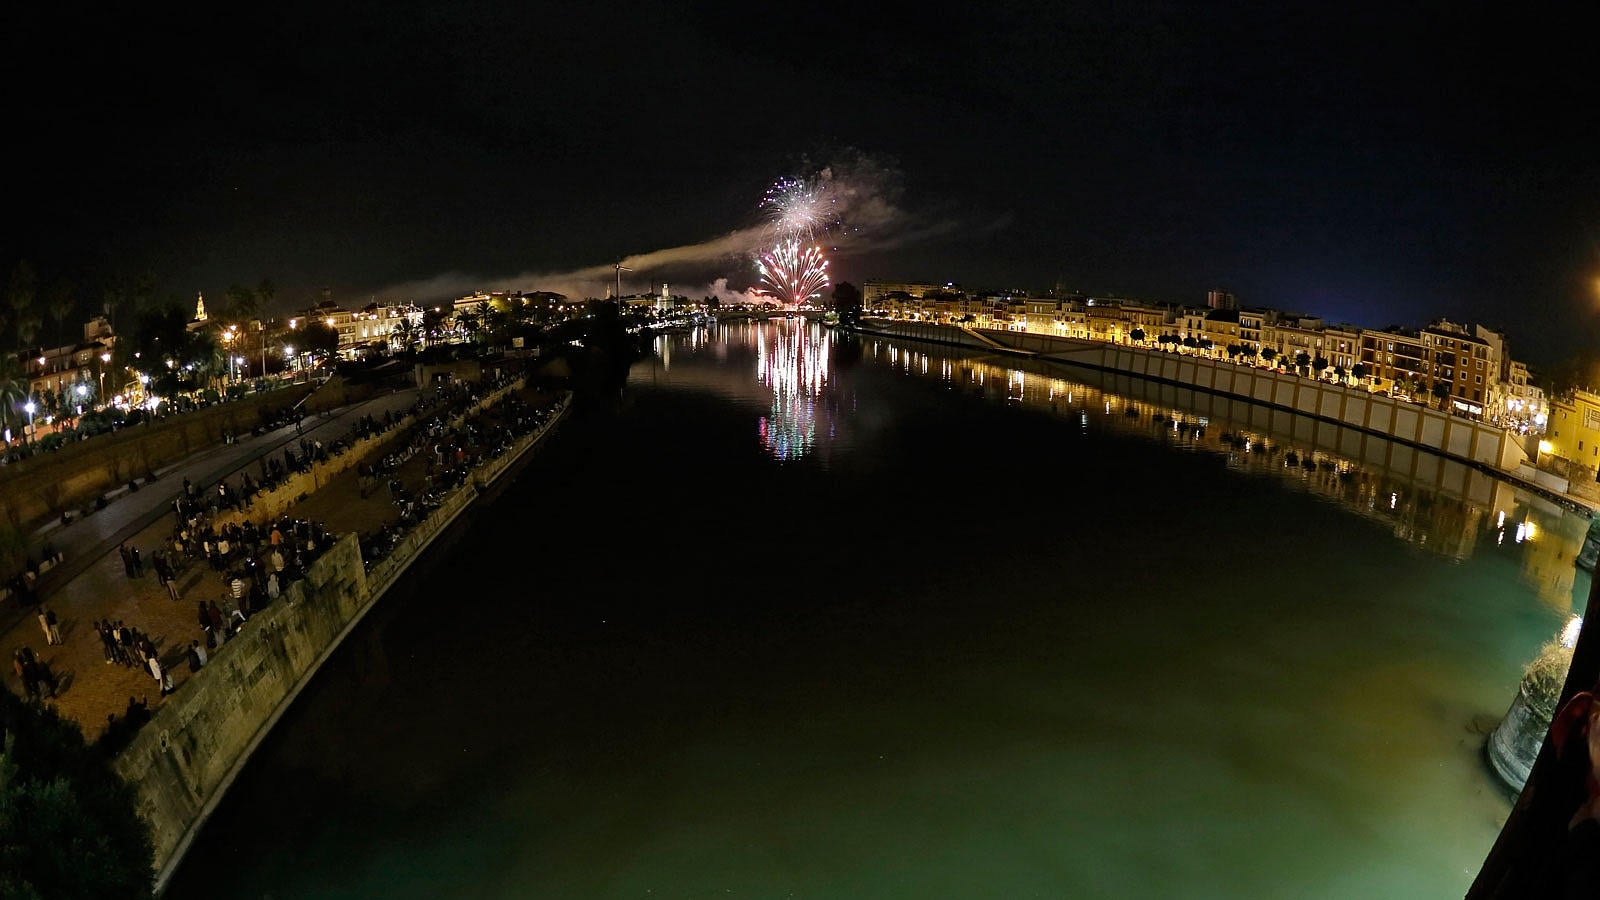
29	408
228	334
620	269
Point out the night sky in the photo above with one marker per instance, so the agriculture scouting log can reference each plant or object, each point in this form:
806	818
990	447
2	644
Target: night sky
1378	165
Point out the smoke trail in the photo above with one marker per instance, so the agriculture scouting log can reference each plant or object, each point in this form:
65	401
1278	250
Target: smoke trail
861	194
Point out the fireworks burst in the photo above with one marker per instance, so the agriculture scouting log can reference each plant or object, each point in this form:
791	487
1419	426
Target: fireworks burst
800	209
794	273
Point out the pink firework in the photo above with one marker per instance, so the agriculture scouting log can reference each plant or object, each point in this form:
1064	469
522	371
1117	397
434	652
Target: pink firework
795	274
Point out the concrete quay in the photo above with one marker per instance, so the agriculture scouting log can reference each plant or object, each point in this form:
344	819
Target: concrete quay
1479	445
90	583
183	760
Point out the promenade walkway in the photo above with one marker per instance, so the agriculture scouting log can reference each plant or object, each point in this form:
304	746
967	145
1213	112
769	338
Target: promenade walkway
90	584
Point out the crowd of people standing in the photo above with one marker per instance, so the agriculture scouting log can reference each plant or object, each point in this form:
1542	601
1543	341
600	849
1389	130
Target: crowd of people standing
253	563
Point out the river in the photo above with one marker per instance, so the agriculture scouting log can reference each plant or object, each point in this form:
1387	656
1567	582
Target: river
803	614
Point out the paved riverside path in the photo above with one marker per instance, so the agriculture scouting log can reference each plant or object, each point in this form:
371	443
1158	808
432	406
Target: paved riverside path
341	507
90	584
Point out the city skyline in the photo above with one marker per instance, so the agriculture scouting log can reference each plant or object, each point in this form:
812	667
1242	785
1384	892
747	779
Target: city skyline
1370	166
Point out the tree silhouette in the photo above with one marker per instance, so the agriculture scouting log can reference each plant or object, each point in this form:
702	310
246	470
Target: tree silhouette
240	304
319	335
60	306
266	292
69	828
20	296
847	303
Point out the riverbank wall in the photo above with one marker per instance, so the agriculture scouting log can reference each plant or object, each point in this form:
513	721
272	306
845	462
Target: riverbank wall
1351	409
183	760
274	503
34	491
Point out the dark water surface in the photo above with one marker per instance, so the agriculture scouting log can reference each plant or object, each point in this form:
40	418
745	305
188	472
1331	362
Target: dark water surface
821	617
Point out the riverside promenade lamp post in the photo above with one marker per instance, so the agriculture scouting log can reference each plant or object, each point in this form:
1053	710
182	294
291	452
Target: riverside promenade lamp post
228	334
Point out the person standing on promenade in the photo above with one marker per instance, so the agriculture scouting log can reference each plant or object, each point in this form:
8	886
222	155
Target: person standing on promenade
203	616
160	676
109	635
125	654
127	559
44	624
36	676
138	562
165	575
25	674
105	642
52	627
217	622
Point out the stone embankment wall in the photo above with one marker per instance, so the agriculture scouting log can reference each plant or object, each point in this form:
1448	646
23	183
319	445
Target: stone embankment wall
183	760
1463	439
39	489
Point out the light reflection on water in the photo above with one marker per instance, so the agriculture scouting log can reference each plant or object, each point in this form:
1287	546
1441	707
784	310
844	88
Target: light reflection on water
1017	633
793	364
1436	505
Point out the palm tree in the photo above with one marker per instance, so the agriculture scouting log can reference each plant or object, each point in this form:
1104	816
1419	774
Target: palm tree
494	321
404	334
113	297
240	304
13	390
61	304
142	292
207	354
24	283
266	292
27	330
